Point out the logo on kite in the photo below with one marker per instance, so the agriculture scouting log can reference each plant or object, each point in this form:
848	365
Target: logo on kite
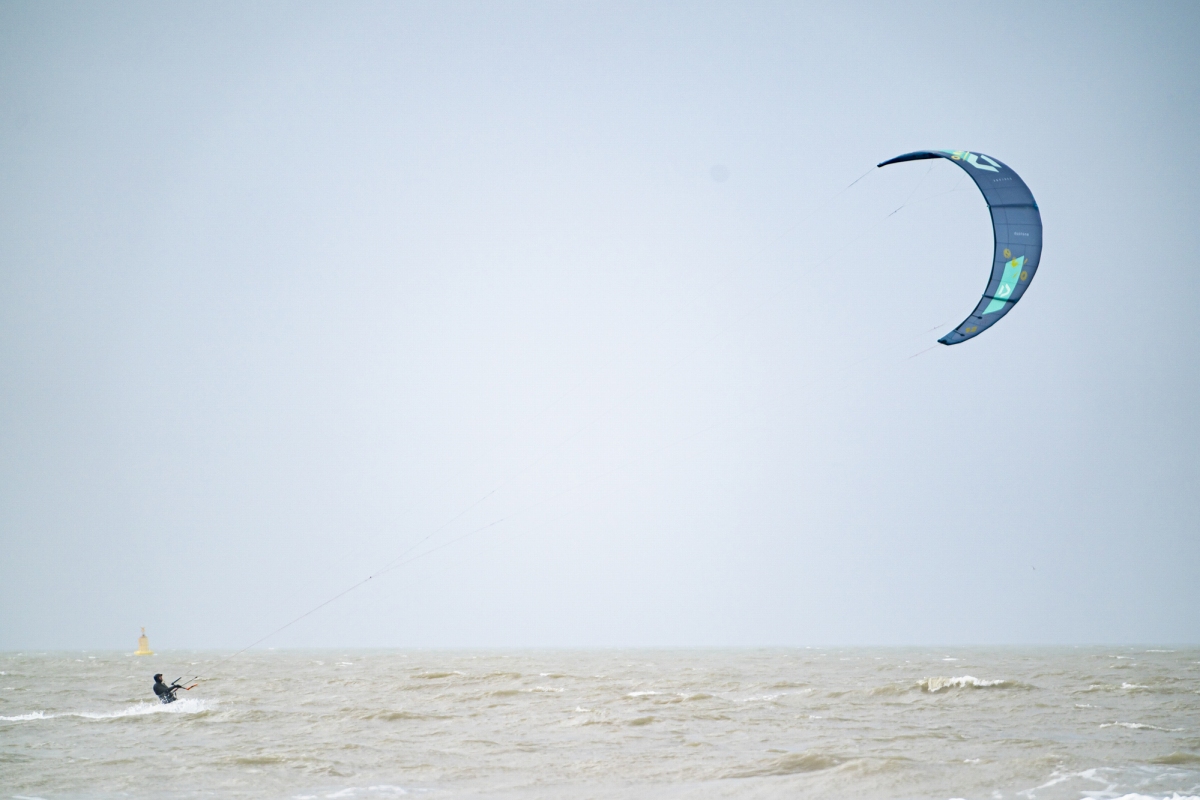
1008	281
973	159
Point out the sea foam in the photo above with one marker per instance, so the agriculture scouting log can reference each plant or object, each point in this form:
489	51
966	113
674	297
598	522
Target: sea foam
185	706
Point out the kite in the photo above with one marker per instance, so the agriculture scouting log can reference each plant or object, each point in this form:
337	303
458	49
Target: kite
1017	226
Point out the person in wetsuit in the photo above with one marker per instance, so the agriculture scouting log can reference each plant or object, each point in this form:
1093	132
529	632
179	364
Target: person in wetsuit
166	694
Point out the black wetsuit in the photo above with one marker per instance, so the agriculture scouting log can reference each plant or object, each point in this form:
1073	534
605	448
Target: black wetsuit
166	694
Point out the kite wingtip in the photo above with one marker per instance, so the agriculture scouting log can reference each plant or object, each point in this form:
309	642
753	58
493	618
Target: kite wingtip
919	155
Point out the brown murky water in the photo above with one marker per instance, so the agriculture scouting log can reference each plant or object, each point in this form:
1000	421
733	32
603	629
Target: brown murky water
1037	724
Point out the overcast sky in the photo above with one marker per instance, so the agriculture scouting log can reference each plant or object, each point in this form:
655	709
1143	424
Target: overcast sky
288	290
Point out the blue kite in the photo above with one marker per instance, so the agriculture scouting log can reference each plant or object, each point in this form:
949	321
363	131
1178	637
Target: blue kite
1017	226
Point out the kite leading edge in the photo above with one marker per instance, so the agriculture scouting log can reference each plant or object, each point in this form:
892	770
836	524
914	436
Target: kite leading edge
1017	227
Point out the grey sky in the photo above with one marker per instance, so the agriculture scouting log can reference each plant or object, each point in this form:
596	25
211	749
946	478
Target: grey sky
285	287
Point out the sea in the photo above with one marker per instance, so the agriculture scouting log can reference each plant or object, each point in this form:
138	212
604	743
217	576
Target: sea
1022	723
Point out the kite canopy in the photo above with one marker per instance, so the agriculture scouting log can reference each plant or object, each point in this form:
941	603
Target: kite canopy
1017	225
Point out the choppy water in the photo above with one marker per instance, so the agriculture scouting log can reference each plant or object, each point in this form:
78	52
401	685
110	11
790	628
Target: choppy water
864	723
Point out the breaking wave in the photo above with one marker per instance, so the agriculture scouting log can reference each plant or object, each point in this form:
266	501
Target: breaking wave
933	685
1133	726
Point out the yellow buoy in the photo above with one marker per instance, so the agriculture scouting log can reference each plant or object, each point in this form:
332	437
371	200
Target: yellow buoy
144	645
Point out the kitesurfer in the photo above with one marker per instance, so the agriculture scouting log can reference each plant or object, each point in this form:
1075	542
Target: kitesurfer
166	694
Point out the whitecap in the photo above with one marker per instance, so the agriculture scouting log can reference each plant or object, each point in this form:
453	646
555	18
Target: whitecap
1133	726
933	685
760	698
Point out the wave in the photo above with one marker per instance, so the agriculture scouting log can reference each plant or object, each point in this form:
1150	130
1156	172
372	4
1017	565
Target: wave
433	676
588	716
790	764
934	685
676	697
760	698
1177	759
1093	775
397	716
357	791
1133	726
255	761
1096	687
1158	687
185	706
